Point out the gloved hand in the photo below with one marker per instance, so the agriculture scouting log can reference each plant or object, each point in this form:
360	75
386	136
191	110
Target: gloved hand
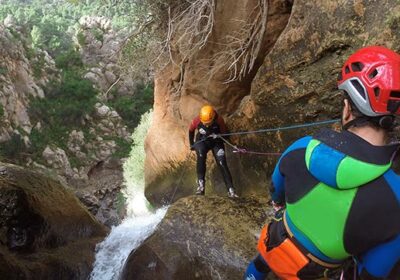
214	136
193	147
278	209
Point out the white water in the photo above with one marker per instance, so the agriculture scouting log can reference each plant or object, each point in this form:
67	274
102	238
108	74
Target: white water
112	253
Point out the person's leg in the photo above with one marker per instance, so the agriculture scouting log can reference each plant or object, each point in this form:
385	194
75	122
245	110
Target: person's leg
201	152
219	155
257	269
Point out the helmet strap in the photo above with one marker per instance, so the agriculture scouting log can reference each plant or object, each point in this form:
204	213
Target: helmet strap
359	121
386	122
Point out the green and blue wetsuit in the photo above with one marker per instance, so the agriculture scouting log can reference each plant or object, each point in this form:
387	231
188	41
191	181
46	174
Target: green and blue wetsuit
342	199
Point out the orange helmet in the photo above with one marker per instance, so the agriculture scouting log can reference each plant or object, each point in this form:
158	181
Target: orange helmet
207	114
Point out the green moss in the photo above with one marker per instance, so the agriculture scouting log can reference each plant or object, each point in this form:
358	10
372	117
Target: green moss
81	38
1	111
120	203
3	70
38	66
14	150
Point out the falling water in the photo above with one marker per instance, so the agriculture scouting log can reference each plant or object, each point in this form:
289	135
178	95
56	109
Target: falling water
140	222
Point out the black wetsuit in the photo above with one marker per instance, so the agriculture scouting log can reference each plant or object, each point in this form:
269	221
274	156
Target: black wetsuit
204	144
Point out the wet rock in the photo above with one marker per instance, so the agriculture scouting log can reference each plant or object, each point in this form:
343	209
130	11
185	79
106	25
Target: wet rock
42	227
200	238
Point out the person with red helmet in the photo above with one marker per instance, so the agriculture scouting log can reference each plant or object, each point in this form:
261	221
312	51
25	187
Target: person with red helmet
208	124
336	194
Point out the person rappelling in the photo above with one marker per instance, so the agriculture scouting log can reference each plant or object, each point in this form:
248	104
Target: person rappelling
335	194
207	125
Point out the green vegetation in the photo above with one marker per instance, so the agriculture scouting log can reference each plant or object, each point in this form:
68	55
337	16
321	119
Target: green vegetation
3	70
131	108
52	24
66	103
14	149
1	111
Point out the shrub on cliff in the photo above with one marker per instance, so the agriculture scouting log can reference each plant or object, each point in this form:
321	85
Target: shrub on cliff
131	108
65	104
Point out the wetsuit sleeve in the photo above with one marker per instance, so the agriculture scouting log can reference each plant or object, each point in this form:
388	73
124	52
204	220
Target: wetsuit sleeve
192	128
277	189
378	262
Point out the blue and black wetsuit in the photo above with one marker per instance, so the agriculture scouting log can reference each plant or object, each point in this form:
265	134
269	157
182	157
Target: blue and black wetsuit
342	200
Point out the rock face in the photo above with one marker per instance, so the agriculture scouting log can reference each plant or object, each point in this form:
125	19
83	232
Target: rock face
296	83
42	227
19	80
180	92
100	46
24	74
200	238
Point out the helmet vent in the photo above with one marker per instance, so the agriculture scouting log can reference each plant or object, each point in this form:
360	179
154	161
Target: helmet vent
377	91
393	106
359	88
357	66
347	69
373	74
395	94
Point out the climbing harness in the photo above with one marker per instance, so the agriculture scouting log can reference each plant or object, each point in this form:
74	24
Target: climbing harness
245	151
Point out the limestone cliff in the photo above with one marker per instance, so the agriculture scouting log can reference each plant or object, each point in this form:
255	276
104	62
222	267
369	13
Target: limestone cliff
20	79
85	157
303	49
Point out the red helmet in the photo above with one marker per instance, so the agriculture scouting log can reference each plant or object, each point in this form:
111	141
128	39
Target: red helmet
371	77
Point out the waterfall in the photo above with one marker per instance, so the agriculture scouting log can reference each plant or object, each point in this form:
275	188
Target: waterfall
140	221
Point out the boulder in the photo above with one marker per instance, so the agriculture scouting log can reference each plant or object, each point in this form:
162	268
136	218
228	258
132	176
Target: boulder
42	227
201	237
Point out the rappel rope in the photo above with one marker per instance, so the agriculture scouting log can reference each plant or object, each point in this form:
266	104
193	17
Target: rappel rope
245	151
236	149
281	128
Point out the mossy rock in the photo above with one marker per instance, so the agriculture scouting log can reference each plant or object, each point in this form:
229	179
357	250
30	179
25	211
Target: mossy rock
201	237
45	233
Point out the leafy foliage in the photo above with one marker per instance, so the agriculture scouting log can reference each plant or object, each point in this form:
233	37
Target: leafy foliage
131	108
13	149
51	24
1	111
65	106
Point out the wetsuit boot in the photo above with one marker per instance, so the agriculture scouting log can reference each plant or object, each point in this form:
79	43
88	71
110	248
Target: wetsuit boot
232	193
200	187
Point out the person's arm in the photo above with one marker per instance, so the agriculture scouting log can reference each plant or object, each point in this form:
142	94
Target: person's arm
378	262
277	188
192	128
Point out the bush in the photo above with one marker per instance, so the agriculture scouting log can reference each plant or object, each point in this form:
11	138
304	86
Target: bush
65	104
14	149
69	60
131	108
1	111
